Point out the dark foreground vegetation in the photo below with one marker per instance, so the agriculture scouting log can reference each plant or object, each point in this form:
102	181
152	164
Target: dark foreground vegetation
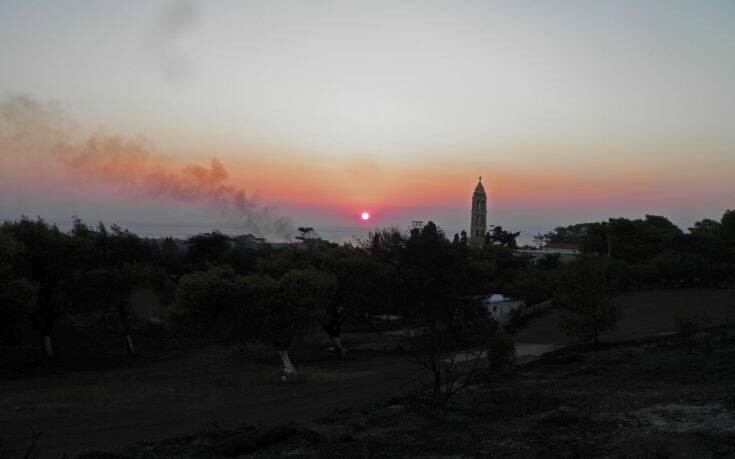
421	287
219	287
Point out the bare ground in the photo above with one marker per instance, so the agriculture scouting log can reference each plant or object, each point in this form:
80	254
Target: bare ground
619	397
187	391
653	400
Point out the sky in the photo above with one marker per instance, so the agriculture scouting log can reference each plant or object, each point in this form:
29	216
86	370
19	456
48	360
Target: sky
174	117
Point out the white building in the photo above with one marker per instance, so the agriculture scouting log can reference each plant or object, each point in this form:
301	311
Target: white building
500	307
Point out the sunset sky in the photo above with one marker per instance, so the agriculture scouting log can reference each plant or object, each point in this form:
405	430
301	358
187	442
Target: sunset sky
320	110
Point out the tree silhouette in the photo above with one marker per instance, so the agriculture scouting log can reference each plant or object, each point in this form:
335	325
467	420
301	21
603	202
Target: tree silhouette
584	295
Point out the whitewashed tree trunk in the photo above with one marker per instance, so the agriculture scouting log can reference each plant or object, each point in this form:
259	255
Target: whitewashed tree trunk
129	342
47	347
337	345
288	368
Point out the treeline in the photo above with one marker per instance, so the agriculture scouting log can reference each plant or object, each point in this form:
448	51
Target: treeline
240	289
223	288
653	251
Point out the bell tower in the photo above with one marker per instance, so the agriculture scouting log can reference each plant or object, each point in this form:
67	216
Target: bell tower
478	223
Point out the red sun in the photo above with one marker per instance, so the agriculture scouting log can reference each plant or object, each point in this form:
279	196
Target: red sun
365	216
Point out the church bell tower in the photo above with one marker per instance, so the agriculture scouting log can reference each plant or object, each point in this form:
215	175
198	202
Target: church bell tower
478	224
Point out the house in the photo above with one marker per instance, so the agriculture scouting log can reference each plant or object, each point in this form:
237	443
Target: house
501	307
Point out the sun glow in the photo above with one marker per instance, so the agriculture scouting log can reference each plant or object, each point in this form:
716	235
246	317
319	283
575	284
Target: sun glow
365	216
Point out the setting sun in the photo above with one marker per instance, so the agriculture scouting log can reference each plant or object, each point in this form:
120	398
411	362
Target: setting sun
365	216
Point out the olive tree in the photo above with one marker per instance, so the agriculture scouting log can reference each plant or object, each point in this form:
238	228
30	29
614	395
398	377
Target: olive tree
584	295
355	287
278	310
439	283
206	302
114	264
51	264
111	288
17	294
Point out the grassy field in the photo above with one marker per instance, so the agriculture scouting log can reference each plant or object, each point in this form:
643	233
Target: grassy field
108	400
645	313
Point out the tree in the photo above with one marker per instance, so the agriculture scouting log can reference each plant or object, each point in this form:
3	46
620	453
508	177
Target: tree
585	295
439	294
115	263
207	303
355	281
51	262
279	262
207	249
705	239
463	240
17	294
707	228
549	261
573	234
111	288
532	284
728	237
306	234
633	241
680	269
170	256
278	310
728	226
499	236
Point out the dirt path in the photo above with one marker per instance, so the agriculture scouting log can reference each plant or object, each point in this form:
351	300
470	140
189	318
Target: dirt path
115	408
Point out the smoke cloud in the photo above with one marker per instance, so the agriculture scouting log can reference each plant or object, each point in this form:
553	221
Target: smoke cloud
164	37
28	127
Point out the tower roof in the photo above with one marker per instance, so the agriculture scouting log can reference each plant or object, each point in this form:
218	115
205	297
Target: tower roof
479	189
